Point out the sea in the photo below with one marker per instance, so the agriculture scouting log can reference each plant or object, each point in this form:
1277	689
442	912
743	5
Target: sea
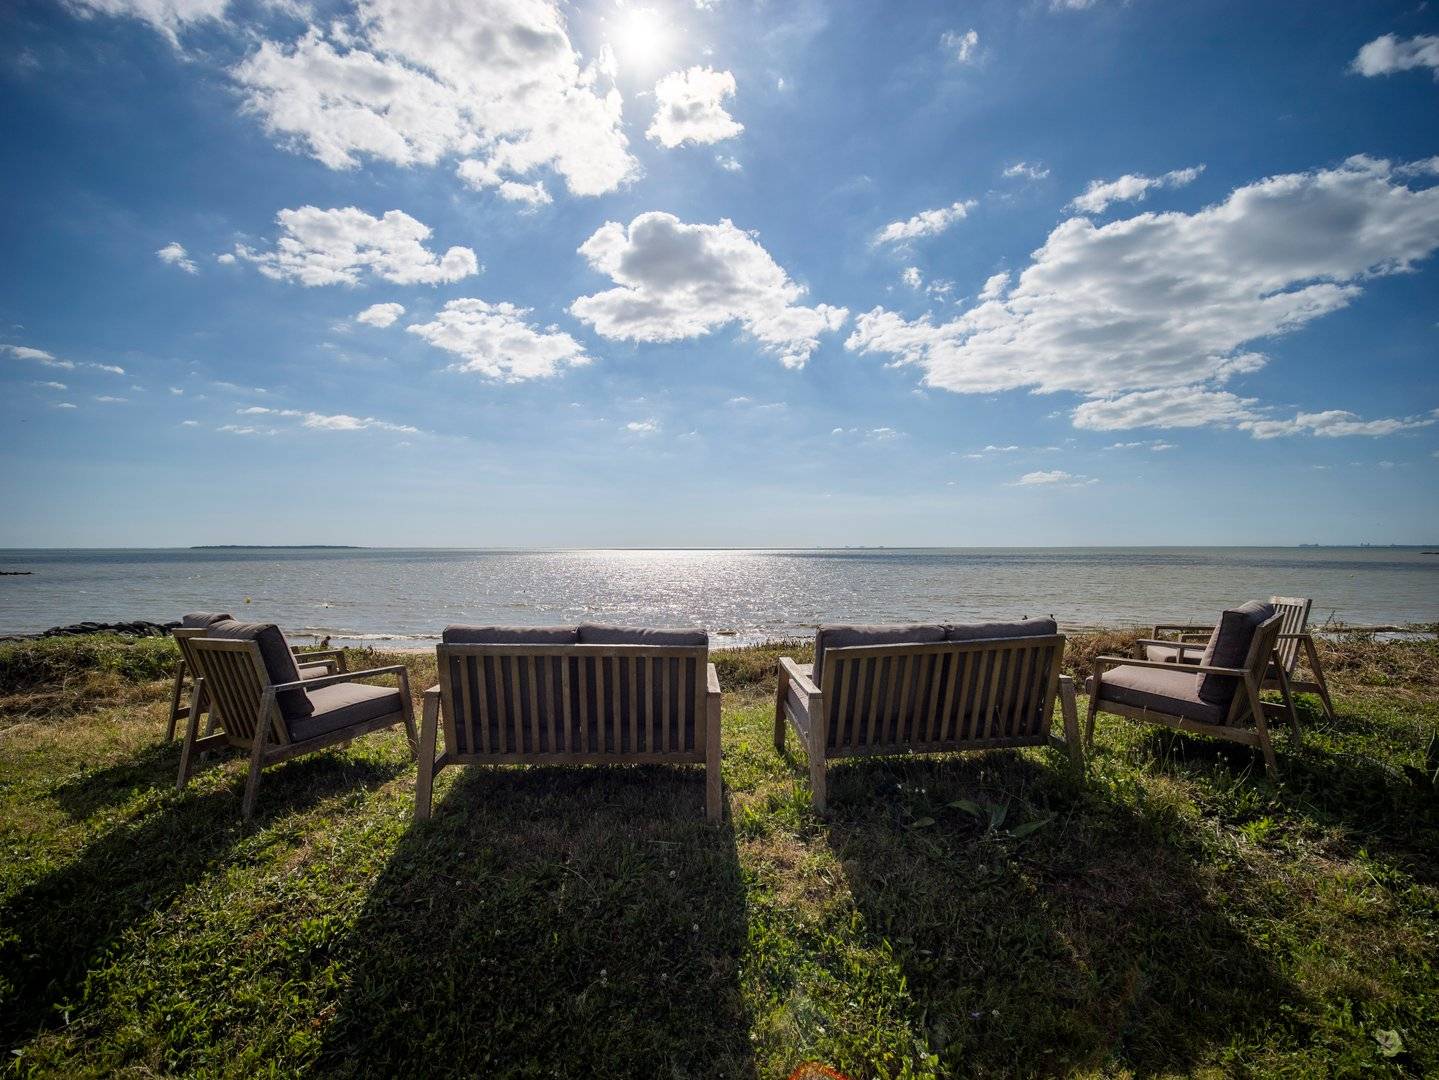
395	598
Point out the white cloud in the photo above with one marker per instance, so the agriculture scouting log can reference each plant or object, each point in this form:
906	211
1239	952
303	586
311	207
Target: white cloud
496	340
1052	477
1141	312
322	421
334	247
110	399
243	429
1193	406
675	280
728	164
1388	54
176	390
925	223
65	405
189	423
113	369
380	315
225	258
642	427
689	108
1026	170
876	434
962	48
53	385
174	254
169	17
497	85
39	356
994	286
911	276
1336	423
1130	187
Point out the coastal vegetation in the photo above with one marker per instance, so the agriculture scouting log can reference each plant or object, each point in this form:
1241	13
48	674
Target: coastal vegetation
1166	911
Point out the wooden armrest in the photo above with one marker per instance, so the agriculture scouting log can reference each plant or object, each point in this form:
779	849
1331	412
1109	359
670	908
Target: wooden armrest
1181	645
433	691
802	682
1192	628
1166	665
344	676
1295	637
315	654
712	677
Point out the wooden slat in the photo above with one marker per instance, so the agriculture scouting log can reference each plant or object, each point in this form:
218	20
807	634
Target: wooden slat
665	744
634	666
615	720
1015	716
550	713
997	666
482	702
875	665
908	670
840	724
459	673
585	666
532	664
956	661
565	703
649	704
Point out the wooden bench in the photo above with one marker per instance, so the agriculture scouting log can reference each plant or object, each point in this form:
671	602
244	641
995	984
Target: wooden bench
571	704
908	698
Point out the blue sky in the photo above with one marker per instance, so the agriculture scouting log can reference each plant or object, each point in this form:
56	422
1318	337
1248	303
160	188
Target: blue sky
719	274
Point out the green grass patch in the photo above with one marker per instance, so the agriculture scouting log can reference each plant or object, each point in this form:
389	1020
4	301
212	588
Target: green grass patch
1166	912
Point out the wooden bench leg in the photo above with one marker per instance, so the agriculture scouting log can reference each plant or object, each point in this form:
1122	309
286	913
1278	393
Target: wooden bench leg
175	692
781	692
1070	709
1261	729
714	792
425	778
1093	709
1313	656
192	730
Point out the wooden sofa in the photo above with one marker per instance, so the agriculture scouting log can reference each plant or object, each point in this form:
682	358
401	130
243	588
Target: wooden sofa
924	688
590	694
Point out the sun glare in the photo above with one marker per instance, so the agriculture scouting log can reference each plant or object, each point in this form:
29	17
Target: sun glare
642	37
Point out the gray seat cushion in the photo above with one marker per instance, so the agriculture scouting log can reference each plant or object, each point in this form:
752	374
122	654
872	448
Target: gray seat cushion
196	620
279	660
1169	654
510	635
1229	647
1160	690
687	638
990	630
844	637
344	705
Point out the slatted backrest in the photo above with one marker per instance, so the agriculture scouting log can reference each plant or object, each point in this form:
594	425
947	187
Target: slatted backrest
235	680
892	698
183	635
586	702
1295	613
1256	662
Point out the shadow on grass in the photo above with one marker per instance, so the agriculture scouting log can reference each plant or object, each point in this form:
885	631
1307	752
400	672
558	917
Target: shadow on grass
552	922
56	930
1092	942
153	767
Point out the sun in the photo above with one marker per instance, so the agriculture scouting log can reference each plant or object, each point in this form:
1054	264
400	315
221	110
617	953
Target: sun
642	37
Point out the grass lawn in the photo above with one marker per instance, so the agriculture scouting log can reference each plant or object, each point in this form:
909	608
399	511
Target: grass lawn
1168	912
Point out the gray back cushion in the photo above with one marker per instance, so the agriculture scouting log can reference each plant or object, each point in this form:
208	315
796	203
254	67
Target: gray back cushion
1229	647
986	631
510	635
196	620
844	637
279	661
594	634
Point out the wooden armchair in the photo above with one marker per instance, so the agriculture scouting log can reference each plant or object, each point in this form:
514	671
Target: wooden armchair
1221	700
275	716
312	664
1189	643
